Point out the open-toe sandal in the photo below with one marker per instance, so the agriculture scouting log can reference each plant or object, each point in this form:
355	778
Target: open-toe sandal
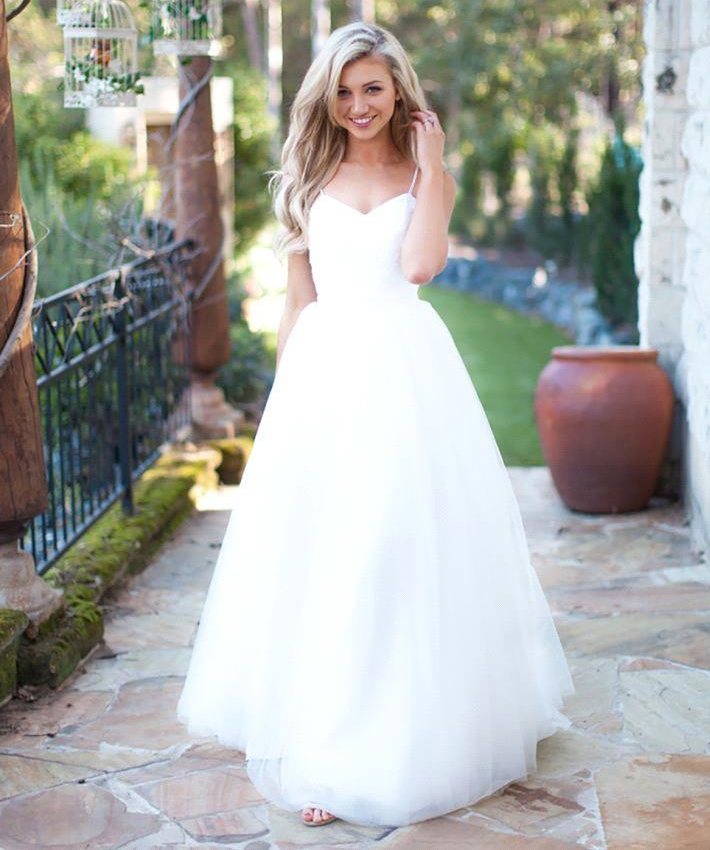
320	822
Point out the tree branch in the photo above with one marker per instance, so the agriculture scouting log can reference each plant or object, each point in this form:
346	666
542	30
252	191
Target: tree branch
16	11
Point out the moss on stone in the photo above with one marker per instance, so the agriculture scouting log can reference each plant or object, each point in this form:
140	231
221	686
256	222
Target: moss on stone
249	430
49	660
118	545
235	453
12	624
48	626
114	547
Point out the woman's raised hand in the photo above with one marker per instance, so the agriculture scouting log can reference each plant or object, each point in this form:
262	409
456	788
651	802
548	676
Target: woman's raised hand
430	139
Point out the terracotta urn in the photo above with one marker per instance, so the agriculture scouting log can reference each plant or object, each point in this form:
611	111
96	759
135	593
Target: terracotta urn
604	416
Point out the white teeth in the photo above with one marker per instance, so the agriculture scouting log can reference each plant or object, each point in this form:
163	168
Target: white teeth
362	120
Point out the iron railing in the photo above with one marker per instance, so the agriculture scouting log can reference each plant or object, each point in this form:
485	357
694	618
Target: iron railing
111	357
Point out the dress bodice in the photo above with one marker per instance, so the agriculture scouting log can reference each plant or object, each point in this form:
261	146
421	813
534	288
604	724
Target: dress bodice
355	256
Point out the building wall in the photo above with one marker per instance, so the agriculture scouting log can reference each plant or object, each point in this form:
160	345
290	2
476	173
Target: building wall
673	247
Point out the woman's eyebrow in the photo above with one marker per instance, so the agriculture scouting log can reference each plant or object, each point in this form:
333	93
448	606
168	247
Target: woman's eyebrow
364	84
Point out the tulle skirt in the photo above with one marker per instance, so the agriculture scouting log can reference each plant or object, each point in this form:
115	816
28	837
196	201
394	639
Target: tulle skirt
375	639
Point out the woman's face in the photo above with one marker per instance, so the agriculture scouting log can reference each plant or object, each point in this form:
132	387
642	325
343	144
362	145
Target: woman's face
366	97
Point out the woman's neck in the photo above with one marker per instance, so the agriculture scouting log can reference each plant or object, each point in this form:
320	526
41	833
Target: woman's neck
380	150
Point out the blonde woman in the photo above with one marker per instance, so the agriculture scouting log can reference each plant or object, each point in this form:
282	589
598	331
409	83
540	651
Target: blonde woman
375	639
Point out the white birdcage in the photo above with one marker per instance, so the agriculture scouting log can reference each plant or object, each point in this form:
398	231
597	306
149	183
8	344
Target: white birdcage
75	13
187	27
100	57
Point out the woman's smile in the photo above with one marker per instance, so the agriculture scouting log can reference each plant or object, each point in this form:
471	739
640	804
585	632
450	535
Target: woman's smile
364	121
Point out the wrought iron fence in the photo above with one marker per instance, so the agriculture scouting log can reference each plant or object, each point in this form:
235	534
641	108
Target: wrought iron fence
111	357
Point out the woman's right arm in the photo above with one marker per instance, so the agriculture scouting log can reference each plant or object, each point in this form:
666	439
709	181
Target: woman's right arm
300	290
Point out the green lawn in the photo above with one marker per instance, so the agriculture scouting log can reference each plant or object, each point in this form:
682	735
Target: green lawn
504	353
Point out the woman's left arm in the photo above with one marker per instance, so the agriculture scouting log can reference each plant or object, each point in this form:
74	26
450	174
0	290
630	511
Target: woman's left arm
425	245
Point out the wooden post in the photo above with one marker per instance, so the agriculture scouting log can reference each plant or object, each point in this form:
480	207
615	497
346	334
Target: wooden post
23	485
198	217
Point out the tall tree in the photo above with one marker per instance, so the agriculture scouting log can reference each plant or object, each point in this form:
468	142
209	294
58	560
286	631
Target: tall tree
274	31
250	18
363	10
320	24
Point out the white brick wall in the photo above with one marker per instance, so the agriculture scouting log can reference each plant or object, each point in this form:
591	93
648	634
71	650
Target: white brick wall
672	251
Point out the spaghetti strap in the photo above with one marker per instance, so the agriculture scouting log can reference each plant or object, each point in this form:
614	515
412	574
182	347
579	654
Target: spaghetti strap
414	180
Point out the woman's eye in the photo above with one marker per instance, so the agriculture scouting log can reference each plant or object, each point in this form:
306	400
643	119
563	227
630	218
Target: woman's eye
343	92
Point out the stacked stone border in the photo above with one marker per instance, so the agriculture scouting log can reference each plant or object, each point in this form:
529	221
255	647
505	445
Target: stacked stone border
112	550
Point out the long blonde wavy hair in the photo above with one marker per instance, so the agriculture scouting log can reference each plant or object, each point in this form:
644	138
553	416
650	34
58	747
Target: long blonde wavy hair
316	143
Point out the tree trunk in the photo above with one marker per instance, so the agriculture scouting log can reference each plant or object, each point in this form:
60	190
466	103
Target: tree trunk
255	49
363	10
320	24
275	63
23	486
198	217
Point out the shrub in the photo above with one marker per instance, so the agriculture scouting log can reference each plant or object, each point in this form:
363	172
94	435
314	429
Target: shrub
50	139
250	370
612	228
69	231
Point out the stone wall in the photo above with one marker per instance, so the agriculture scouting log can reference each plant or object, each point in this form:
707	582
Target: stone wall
673	247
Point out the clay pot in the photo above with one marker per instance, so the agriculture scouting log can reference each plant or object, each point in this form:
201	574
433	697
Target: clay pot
604	417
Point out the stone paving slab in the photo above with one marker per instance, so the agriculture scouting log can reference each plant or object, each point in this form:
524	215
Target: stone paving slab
102	763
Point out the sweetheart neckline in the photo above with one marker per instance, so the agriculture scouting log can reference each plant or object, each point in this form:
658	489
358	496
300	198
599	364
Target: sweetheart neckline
369	212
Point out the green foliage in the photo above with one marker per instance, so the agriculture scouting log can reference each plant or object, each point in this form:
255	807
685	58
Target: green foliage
247	374
102	79
567	178
468	216
508	74
613	225
63	259
72	230
252	134
542	166
35	49
504	75
250	369
75	188
51	140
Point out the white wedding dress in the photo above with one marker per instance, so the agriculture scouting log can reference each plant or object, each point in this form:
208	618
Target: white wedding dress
375	638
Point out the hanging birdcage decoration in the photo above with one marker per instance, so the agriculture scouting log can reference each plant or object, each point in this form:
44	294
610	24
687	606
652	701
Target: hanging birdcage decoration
76	13
100	57
187	27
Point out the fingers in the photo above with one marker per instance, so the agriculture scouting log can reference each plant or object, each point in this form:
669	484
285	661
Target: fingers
427	119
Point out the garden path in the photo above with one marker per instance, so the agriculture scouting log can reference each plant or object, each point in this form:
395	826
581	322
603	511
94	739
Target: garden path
102	762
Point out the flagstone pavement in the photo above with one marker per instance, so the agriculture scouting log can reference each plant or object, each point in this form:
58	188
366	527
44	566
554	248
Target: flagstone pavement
102	763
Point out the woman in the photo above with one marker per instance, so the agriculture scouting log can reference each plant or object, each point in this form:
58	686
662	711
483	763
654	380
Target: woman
375	638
